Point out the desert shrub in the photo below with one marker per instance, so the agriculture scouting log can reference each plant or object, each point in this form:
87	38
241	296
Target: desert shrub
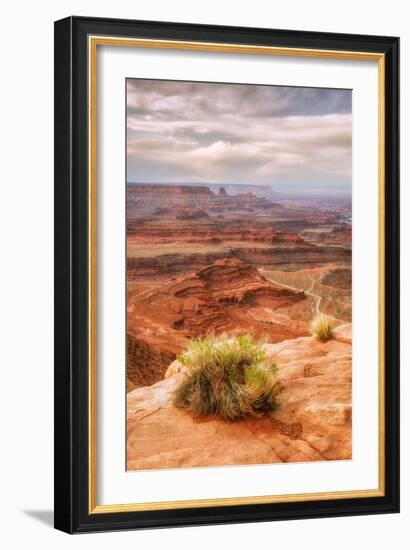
322	328
230	377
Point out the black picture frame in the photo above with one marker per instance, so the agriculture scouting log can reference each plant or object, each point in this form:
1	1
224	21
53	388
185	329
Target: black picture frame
71	492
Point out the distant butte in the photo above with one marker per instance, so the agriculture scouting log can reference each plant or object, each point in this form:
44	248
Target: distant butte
163	199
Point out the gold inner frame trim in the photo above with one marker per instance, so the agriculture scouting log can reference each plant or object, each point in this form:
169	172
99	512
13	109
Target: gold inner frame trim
93	42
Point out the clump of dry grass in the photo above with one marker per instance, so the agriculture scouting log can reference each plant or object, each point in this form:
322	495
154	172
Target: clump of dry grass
230	377
322	328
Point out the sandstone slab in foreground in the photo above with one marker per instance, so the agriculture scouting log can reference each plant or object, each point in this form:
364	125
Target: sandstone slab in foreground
313	422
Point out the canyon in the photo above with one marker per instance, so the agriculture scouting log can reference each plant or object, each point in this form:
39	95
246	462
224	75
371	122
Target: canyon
205	260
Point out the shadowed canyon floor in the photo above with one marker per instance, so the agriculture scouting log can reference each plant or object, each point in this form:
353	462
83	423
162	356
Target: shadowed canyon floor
313	421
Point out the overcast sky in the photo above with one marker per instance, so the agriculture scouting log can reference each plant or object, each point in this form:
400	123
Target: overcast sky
295	139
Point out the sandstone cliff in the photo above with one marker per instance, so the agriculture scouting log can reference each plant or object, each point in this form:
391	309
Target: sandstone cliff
312	423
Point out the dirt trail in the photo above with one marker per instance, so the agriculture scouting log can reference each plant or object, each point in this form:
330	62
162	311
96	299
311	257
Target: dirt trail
317	298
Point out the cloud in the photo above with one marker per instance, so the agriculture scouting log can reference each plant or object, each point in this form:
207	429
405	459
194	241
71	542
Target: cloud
184	131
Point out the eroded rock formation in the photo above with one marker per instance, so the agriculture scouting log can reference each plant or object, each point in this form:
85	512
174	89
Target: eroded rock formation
227	296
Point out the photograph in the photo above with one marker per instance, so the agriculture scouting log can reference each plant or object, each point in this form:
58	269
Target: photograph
239	274
226	274
205	235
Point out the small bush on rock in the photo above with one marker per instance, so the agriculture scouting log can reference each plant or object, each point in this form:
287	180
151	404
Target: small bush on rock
322	328
229	377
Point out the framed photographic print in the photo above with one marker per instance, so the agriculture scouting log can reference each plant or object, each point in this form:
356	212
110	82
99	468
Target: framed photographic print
226	274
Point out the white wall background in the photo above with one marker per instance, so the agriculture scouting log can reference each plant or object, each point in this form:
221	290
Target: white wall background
26	293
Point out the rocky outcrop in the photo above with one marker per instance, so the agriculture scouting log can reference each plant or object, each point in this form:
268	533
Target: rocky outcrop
228	295
143	199
312	423
287	238
258	190
190	213
140	353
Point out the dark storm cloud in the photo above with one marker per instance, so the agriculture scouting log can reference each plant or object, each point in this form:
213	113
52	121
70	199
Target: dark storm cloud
237	133
164	97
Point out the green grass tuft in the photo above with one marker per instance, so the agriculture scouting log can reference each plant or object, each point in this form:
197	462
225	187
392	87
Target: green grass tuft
229	377
322	328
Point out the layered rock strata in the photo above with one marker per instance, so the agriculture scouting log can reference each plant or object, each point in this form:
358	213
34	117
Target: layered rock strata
227	296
